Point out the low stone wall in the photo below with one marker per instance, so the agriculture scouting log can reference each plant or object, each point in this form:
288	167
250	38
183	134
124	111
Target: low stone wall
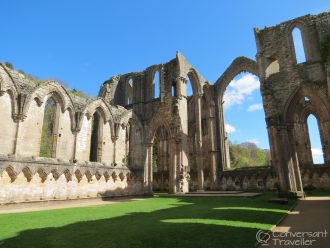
314	177
249	179
48	179
317	177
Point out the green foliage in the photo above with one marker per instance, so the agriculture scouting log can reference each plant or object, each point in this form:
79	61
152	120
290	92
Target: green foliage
248	155
79	93
325	49
38	81
46	143
9	65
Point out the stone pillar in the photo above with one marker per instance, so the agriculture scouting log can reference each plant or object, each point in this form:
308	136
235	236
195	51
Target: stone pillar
182	167
148	169
198	118
213	150
302	144
284	160
18	119
182	148
114	140
296	177
172	167
277	159
222	135
74	155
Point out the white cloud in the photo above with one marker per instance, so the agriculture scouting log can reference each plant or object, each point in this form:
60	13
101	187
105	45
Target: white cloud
255	107
254	140
239	89
317	152
229	128
317	155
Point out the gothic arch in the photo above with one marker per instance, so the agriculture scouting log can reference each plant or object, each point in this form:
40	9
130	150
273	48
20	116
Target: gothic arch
240	64
7	78
153	126
303	102
104	110
50	88
319	106
8	85
186	69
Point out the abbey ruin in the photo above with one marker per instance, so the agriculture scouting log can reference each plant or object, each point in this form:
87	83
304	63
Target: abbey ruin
103	146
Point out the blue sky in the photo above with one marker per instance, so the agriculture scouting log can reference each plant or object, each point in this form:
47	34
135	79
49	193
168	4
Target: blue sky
83	43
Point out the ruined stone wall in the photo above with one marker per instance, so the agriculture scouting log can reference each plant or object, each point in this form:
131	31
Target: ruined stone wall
25	176
132	115
292	91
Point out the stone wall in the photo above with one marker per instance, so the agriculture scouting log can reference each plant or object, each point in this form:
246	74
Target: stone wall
68	173
48	179
263	179
132	117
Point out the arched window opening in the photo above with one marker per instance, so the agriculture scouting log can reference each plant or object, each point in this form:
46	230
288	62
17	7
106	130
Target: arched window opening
245	127
129	92
298	46
156	85
160	160
49	129
190	91
272	68
315	140
173	89
96	138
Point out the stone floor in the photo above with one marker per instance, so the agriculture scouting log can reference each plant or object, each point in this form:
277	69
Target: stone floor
312	215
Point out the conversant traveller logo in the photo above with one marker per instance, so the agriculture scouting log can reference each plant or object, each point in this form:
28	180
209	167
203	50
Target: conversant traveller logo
289	239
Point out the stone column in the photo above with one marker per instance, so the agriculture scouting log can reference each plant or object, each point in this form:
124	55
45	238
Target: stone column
302	144
182	167
74	155
222	135
284	160
296	177
198	118
213	151
18	119
278	159
148	169
182	131
114	140
172	167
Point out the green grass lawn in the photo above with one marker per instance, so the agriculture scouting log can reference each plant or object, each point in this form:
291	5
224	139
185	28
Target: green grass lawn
153	222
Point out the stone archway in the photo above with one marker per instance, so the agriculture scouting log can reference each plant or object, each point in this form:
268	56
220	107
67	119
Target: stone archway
160	160
303	103
161	134
240	64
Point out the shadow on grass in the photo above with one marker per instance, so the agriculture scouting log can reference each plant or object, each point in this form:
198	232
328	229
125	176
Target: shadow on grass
163	222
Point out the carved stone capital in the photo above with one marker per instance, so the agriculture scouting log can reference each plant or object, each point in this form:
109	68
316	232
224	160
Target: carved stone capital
180	80
18	117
